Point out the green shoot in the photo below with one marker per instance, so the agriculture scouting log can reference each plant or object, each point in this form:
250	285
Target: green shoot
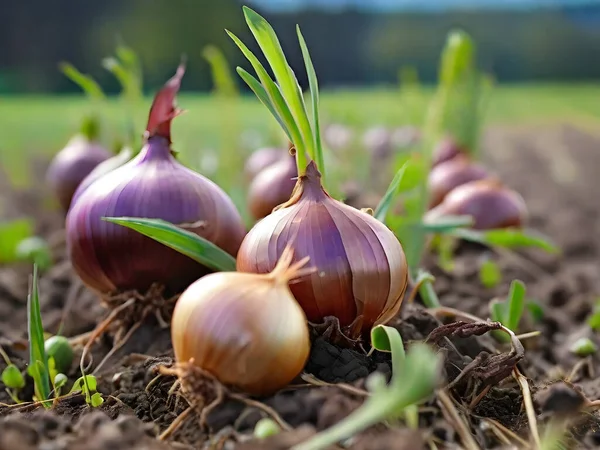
38	360
510	238
583	347
490	274
12	378
36	250
535	309
414	379
177	238
509	312
87	385
222	78
266	427
11	235
594	319
390	195
283	96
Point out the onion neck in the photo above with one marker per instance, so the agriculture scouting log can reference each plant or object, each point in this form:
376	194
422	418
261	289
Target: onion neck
156	148
308	187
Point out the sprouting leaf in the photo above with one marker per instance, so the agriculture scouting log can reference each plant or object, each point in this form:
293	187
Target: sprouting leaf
594	318
390	195
387	339
35	249
535	309
266	427
508	238
583	347
314	94
185	242
59	381
38	360
96	400
221	75
85	82
516	305
11	234
12	377
490	274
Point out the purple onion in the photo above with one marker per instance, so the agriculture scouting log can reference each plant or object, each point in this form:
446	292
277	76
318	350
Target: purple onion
261	159
72	165
110	258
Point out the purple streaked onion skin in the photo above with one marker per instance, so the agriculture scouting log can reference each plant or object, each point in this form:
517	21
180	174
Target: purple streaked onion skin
72	165
272	186
261	159
361	272
490	204
110	258
447	176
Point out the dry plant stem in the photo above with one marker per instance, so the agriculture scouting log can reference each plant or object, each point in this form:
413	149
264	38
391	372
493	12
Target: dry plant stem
314	381
175	424
578	367
508	435
529	408
454	417
117	345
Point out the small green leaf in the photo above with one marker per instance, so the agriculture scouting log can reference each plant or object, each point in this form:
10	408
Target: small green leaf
498	311
447	224
36	250
96	400
390	195
11	235
508	238
516	305
221	75
185	242
388	339
266	427
85	82
38	360
60	380
583	347
490	274
12	377
537	311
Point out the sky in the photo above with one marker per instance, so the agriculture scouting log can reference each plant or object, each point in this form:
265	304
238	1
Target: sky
424	5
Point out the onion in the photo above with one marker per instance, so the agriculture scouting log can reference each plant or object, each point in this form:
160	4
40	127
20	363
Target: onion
446	176
72	164
445	150
246	330
272	187
261	159
488	202
362	270
108	257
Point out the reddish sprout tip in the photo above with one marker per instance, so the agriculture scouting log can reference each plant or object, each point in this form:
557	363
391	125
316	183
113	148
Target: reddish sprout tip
163	109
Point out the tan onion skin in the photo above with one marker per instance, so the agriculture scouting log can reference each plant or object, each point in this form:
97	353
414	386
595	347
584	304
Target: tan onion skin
491	205
362	270
272	187
244	329
444	177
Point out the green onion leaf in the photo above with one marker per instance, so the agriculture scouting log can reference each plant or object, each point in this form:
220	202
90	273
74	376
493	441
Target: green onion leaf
507	238
185	242
85	82
390	195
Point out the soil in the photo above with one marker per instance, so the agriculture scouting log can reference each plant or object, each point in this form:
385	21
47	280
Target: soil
553	167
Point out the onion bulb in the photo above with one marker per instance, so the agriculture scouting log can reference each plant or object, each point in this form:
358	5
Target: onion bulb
272	187
261	159
246	330
444	177
488	202
109	257
362	270
72	164
446	150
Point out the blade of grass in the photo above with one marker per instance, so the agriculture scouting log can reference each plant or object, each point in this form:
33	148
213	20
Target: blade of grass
314	94
85	82
390	195
224	82
185	242
508	238
516	305
38	360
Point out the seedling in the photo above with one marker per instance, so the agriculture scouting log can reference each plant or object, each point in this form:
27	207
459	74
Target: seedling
583	347
266	427
36	250
490	274
12	378
86	385
414	379
510	311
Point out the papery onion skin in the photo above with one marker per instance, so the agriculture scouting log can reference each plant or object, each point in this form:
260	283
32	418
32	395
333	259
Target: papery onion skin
109	257
244	329
272	187
261	159
71	165
362	270
457	171
491	205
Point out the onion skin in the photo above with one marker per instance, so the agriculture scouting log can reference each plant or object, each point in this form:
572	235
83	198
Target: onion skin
446	150
491	205
362	270
245	329
272	187
71	165
109	257
447	176
261	159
